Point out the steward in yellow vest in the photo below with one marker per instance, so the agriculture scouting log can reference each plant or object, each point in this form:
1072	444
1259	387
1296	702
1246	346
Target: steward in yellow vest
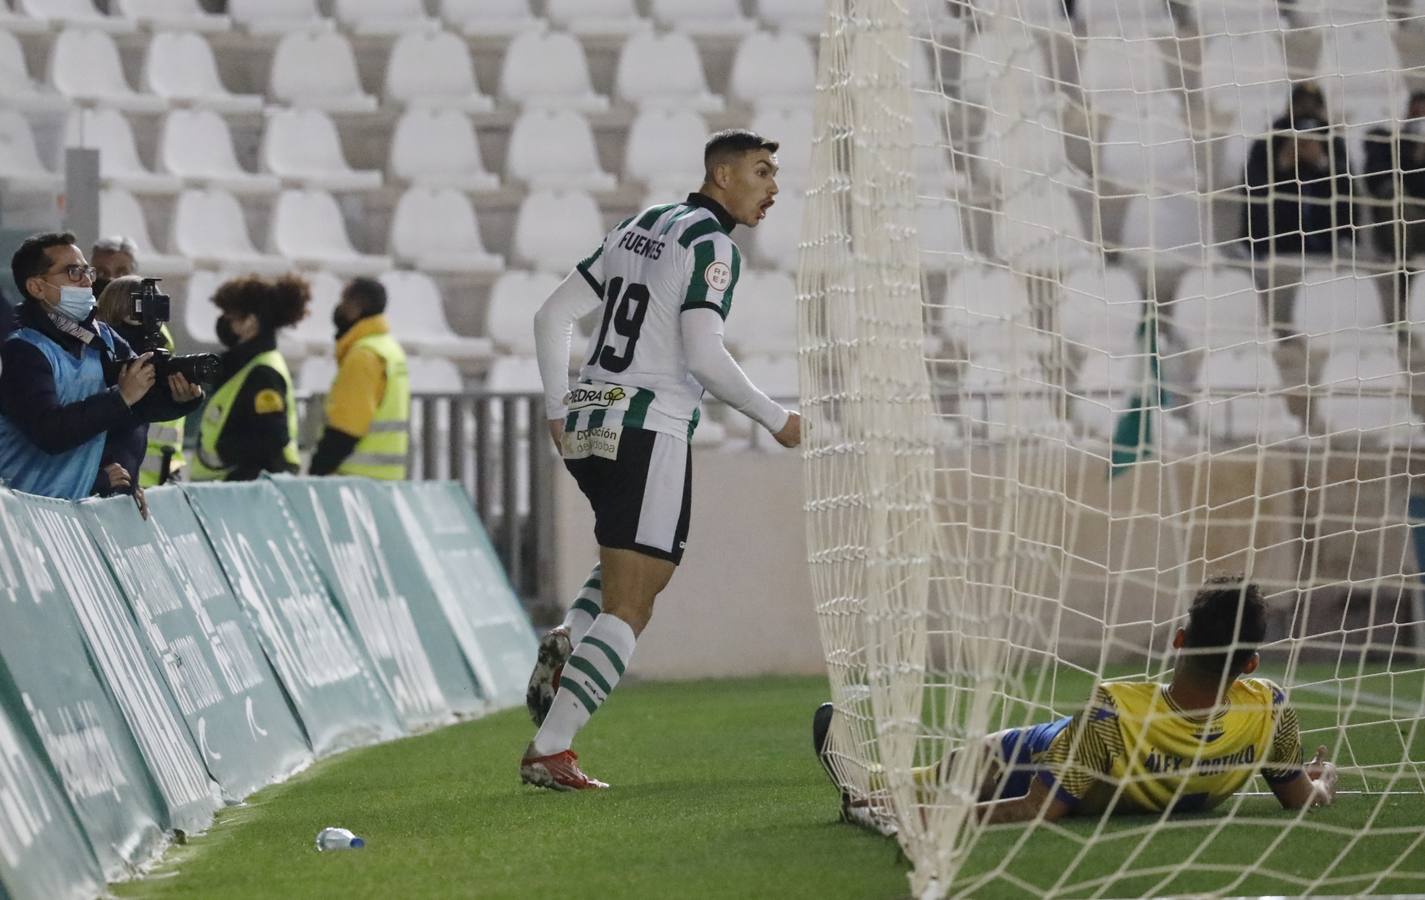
368	407
250	424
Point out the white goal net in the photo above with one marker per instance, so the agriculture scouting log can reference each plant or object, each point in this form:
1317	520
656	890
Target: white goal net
1097	303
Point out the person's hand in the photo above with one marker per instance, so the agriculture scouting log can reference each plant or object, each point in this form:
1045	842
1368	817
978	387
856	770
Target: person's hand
791	433
120	482
182	389
136	379
1323	773
556	433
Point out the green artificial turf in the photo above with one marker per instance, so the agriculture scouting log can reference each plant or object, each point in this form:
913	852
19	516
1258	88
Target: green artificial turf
716	794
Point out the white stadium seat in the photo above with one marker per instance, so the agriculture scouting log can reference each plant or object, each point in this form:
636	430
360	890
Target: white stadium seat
1216	308
303	146
313	334
490	18
556	229
549	70
120	213
417	316
664	150
1243	399
434	375
1330	302
665	71
438	148
764	314
177	15
1126	77
18	23
792	128
200	316
383	17
73	14
773	70
1365	389
108	131
775	238
776	375
554	148
21	168
1101	309
513	374
703	17
987	313
318	70
179	67
196	145
1168	229
933	173
1244	77
792	15
1135	20
941	230
276	16
84	66
307	228
591	18
21	91
509	316
1146	155
209	229
434	69
435	230
1359	70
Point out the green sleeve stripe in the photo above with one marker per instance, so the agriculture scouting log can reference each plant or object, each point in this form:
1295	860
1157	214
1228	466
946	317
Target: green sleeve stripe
588	607
588	261
673	220
651	215
608	651
593	584
579	694
703	256
590	281
591	670
731	283
701	229
704	305
637	409
624	224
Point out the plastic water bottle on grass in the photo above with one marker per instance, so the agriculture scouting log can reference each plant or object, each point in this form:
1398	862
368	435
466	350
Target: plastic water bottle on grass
338	839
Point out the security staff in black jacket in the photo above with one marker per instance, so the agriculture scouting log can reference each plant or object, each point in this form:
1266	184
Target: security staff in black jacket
250	424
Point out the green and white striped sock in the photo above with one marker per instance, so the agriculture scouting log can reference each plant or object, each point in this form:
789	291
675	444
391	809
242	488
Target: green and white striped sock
589	677
587	606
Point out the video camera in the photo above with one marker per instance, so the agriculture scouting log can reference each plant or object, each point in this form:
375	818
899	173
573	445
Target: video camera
153	310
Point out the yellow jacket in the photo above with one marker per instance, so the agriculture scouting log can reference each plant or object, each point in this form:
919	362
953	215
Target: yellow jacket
360	380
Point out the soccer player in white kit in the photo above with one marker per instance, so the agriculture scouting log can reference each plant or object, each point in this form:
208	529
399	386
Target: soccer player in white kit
665	279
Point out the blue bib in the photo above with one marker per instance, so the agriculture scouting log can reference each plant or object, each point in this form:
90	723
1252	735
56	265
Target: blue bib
69	475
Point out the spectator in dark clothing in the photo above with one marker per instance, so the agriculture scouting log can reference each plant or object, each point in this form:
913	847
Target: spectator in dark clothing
66	381
1298	183
1395	181
250	425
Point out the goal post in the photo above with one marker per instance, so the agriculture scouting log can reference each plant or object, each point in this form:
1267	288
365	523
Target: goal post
1093	310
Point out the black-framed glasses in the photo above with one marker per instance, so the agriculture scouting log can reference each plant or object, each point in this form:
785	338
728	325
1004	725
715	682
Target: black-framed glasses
78	273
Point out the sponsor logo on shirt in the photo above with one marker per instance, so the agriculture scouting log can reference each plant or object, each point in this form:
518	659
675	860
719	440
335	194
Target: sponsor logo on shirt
596	396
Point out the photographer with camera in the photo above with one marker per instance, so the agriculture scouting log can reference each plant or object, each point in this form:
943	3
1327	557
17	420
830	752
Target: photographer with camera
68	381
250	425
135	308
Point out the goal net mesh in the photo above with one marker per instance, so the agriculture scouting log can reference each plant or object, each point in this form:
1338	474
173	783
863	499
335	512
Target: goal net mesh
1094	308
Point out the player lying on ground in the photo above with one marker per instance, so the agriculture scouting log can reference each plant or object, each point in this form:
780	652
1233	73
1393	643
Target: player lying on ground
665	279
1144	747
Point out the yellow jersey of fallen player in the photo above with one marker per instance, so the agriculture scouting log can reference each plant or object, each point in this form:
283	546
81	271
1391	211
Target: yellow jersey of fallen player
1135	750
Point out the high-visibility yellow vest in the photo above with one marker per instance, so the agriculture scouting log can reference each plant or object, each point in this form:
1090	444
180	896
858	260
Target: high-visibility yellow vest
208	466
163	438
381	452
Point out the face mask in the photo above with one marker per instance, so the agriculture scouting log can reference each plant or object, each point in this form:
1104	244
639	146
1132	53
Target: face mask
76	302
226	336
342	325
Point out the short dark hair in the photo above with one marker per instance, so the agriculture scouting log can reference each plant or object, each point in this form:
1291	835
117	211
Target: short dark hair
33	258
370	292
723	145
1228	615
